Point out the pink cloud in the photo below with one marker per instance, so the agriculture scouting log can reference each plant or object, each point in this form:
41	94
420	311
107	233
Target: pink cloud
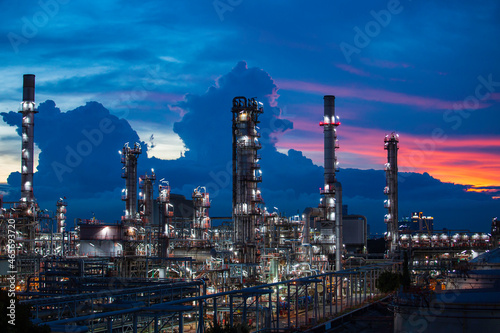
353	70
495	97
384	63
370	94
364	148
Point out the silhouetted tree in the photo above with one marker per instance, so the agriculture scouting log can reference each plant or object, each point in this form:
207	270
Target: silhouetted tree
406	279
388	281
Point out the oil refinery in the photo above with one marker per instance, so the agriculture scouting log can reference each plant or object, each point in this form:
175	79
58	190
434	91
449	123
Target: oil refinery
170	266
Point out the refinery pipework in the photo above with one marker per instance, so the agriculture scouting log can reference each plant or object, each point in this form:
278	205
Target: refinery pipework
129	160
247	200
146	199
165	215
201	221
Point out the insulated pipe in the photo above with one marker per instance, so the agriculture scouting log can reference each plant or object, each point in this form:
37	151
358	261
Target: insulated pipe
308	213
338	227
306	240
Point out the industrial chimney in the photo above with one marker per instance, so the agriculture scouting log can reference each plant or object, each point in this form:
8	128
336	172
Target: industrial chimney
391	190
27	153
331	225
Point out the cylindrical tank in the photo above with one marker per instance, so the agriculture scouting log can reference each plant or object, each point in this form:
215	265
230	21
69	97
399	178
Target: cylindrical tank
435	240
415	240
444	240
405	241
424	240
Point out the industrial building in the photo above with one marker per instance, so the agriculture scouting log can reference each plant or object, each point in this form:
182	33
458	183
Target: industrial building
166	265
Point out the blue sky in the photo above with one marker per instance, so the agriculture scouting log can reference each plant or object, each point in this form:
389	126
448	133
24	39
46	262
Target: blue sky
426	70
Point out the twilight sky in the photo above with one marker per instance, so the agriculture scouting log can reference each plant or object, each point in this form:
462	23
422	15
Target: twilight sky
428	70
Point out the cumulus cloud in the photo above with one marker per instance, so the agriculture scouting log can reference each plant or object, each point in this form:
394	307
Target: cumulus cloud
91	178
79	150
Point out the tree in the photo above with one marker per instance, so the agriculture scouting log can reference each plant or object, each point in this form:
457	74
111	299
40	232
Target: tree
406	279
388	281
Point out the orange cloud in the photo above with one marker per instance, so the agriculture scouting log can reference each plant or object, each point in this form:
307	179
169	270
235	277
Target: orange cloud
375	95
469	160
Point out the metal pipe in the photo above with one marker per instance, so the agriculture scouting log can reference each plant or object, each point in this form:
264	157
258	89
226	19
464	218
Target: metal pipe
338	227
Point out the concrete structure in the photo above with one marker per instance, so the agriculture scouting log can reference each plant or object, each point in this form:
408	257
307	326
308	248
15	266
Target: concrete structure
417	222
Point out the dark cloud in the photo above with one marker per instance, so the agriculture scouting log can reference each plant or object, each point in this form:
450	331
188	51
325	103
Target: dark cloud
291	181
79	150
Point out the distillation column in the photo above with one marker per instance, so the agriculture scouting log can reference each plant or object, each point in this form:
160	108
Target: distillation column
146	198
331	225
129	160
247	200
28	142
61	215
391	190
201	220
166	214
129	220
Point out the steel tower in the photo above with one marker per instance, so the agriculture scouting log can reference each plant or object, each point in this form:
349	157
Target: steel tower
391	190
28	143
201	220
146	199
331	225
247	200
61	215
166	214
129	161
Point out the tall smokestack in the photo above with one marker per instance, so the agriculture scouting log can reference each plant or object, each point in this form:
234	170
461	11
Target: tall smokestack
391	190
28	143
29	88
331	227
329	124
